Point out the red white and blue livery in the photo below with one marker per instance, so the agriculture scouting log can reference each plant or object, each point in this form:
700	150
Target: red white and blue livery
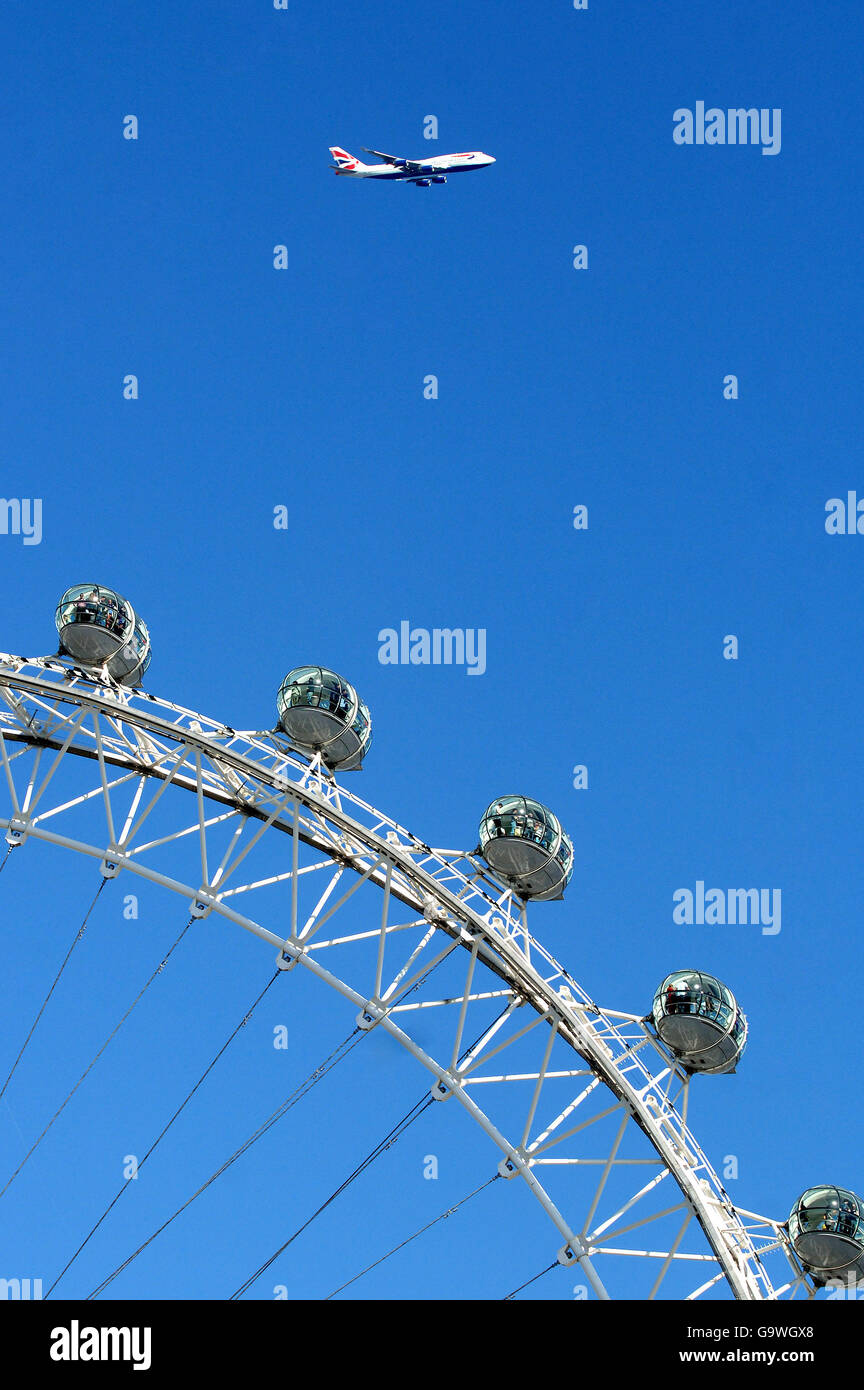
423	172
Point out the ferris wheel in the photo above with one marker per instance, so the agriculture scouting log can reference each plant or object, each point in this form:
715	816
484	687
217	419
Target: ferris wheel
584	1104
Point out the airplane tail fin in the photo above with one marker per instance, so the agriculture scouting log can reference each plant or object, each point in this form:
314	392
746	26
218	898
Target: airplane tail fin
345	163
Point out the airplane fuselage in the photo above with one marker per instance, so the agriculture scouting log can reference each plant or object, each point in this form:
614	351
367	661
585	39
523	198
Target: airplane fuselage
441	163
433	170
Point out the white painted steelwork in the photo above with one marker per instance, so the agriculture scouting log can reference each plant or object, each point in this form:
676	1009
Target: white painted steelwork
129	748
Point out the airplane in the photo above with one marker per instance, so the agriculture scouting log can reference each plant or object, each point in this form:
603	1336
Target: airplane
421	172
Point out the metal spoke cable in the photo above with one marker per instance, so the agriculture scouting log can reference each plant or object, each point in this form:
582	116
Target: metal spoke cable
160	967
9	850
314	1077
387	1142
554	1265
202	1078
312	1080
80	933
442	1217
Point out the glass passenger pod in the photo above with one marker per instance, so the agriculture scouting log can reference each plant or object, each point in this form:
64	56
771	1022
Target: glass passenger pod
699	1021
826	1228
99	627
525	845
321	713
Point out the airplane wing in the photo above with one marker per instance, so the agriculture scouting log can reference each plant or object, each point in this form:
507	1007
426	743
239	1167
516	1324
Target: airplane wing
411	166
388	158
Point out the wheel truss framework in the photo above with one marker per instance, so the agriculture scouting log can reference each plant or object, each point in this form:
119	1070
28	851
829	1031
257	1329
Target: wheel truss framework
578	1069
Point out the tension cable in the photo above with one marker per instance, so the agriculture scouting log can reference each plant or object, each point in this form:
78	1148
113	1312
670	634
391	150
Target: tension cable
160	967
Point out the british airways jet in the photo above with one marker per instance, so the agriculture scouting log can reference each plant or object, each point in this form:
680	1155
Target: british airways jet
419	171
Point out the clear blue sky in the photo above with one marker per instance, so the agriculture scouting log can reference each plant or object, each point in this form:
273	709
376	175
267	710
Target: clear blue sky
304	388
